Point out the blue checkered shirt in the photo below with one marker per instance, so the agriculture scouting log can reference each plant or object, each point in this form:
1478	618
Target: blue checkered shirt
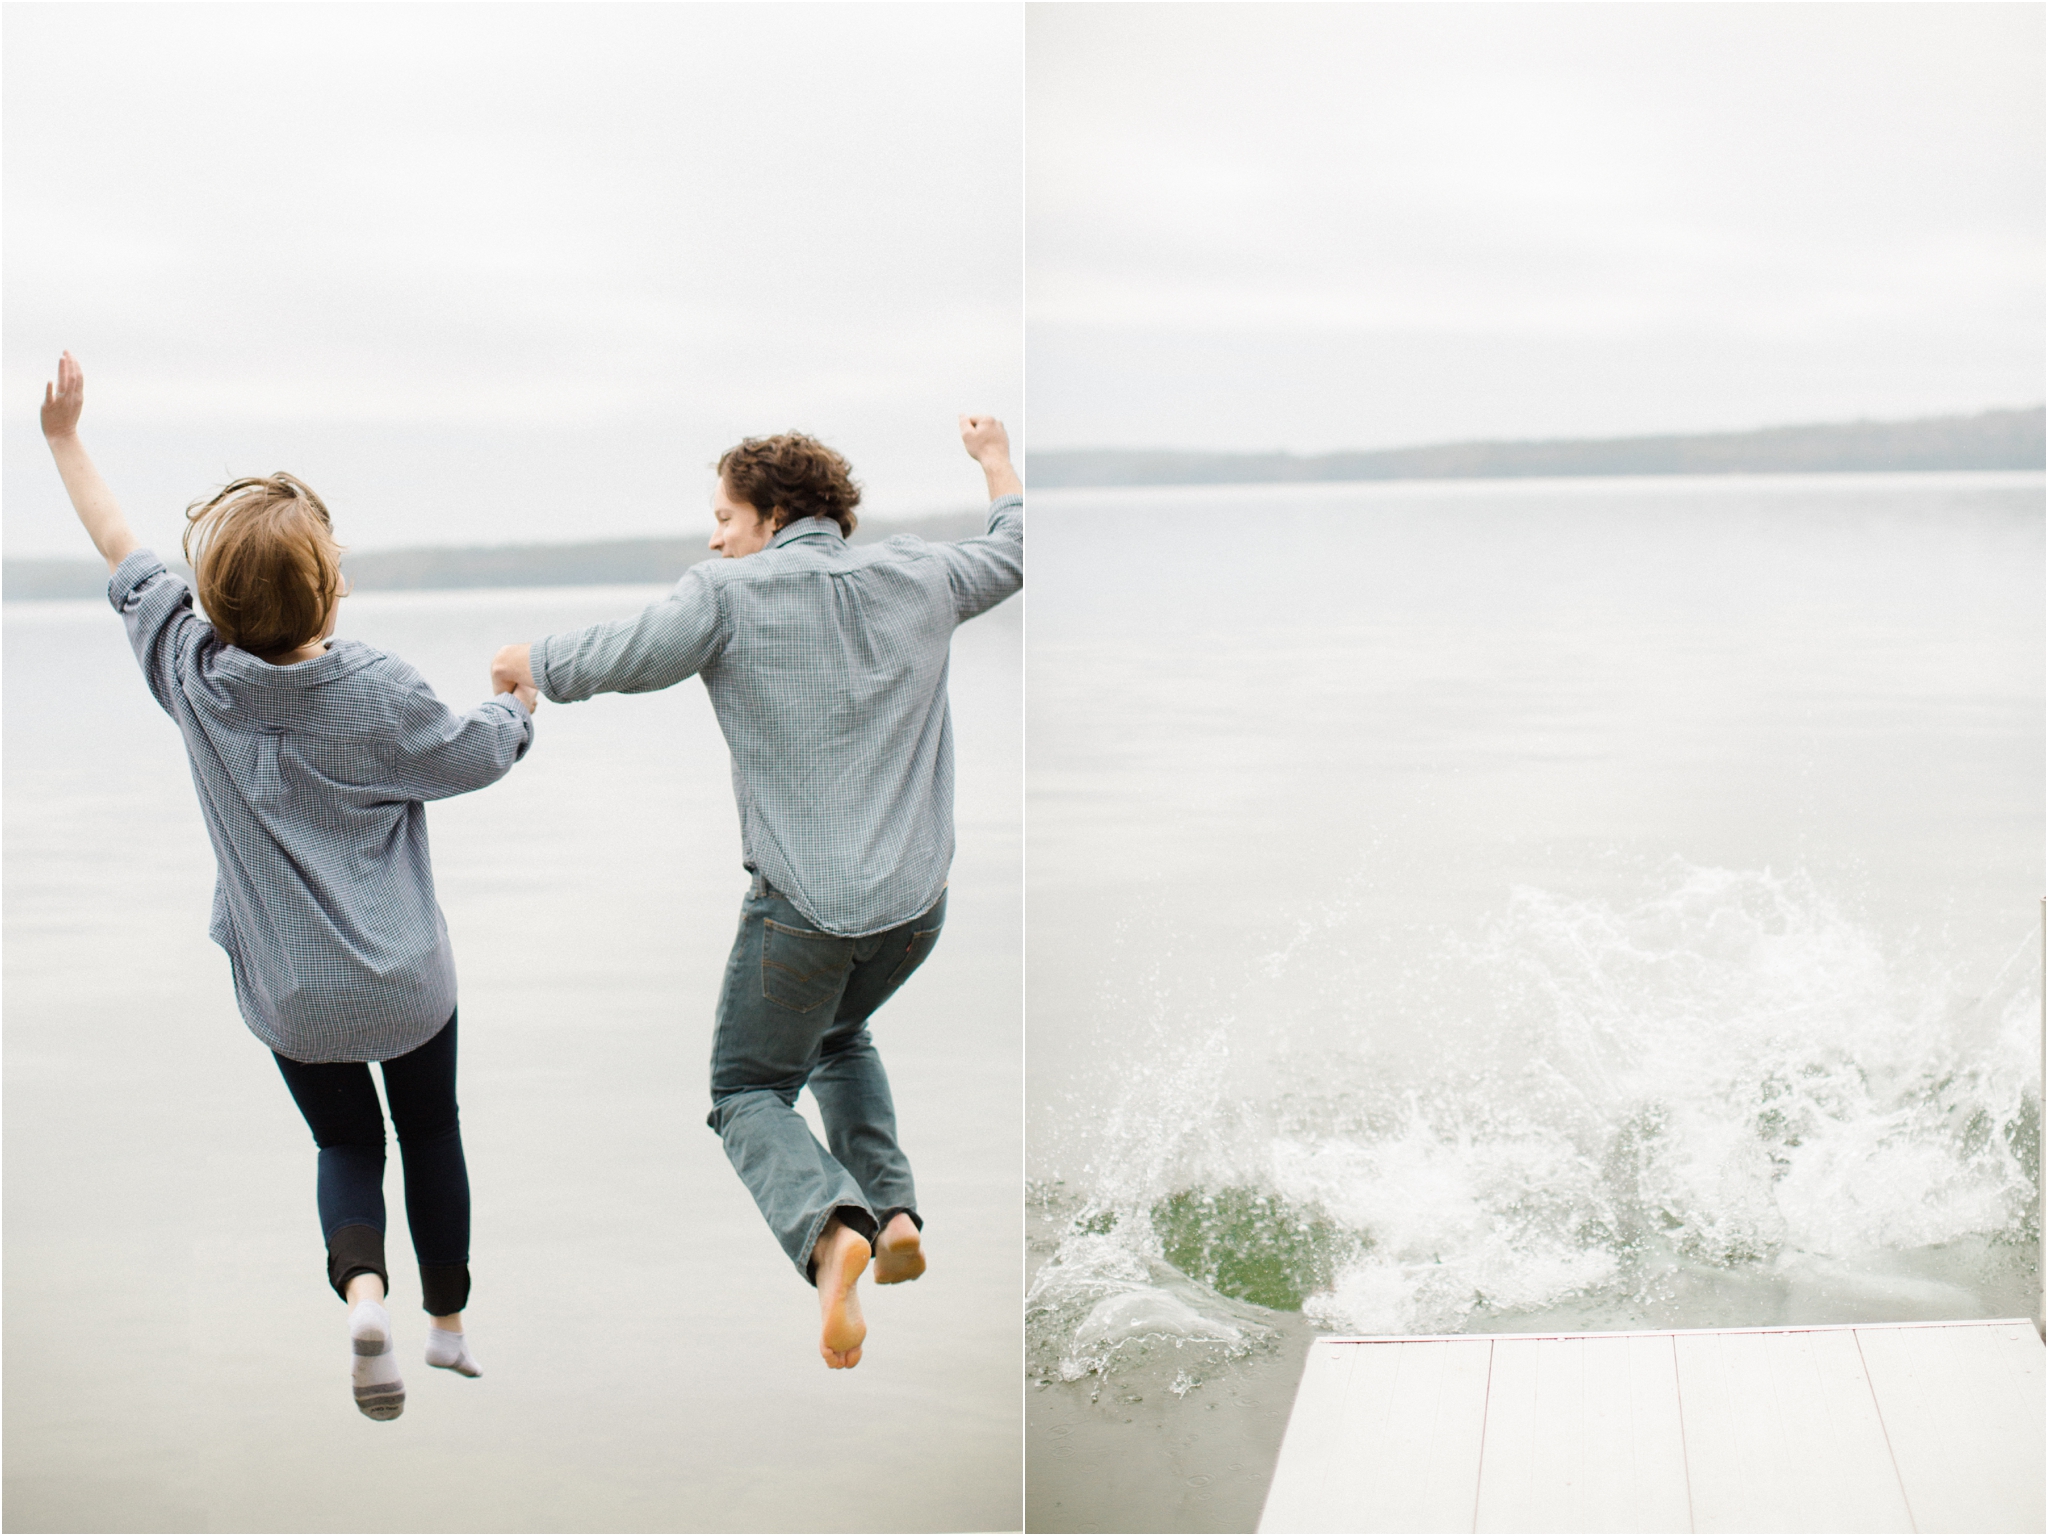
311	780
826	666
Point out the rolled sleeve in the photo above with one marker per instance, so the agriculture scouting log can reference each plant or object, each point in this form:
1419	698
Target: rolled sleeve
437	752
656	648
156	611
985	570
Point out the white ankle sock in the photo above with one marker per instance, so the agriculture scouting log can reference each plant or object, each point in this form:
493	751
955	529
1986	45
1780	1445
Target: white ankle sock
379	1391
450	1351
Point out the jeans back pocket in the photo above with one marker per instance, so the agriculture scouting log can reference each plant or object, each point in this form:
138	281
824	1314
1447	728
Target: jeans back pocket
801	969
921	944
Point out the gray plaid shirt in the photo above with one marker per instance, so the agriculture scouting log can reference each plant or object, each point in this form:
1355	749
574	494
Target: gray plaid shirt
826	665
311	779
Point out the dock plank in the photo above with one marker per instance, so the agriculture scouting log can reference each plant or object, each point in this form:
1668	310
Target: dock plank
1961	1408
1582	1434
1294	1501
1782	1433
1557	1481
1408	1437
1373	1397
1461	1437
1868	1495
1507	1467
1722	1435
1660	1490
1935	1426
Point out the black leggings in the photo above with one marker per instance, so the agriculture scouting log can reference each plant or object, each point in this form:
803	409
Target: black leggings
340	1103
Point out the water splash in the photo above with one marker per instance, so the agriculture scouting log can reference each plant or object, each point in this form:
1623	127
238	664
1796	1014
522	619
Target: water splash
1612	1111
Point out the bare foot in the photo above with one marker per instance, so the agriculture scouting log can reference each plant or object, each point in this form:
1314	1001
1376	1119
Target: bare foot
841	1255
899	1251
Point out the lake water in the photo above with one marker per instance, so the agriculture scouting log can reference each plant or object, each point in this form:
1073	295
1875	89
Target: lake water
174	1358
1475	907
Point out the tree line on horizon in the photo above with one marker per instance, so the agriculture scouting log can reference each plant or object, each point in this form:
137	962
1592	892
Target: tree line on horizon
606	562
1988	440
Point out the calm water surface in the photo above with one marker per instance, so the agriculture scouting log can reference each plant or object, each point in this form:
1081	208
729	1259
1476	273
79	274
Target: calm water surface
174	1359
1472	907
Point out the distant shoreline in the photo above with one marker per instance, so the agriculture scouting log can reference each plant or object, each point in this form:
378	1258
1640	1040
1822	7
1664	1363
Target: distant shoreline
1989	440
456	568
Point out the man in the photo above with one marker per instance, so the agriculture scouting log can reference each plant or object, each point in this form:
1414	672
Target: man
826	667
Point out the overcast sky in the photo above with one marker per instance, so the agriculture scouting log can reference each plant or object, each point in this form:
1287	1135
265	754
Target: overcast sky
488	273
1332	226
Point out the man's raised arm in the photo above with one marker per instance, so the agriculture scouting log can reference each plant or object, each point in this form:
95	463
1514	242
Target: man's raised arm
989	446
987	569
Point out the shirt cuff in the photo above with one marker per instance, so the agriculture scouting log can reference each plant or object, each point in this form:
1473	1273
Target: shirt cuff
514	700
537	663
139	566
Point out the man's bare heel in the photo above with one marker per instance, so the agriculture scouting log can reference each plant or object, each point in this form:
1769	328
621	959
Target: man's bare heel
841	1255
899	1251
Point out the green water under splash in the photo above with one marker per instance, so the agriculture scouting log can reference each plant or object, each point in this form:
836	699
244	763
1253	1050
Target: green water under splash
1253	1246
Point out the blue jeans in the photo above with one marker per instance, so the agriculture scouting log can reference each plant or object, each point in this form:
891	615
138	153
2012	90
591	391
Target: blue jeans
794	1011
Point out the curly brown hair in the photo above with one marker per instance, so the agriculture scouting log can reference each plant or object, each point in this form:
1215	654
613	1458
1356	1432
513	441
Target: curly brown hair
789	477
263	553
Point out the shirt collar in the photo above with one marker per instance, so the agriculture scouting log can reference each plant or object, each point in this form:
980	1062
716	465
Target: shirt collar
807	528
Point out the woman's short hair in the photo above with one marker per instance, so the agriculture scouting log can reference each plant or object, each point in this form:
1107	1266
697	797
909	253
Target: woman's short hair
263	552
789	477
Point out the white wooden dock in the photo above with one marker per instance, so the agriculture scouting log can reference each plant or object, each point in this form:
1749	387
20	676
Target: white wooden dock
1895	1427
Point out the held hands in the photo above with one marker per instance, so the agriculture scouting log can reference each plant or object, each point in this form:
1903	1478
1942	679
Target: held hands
64	400
512	672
